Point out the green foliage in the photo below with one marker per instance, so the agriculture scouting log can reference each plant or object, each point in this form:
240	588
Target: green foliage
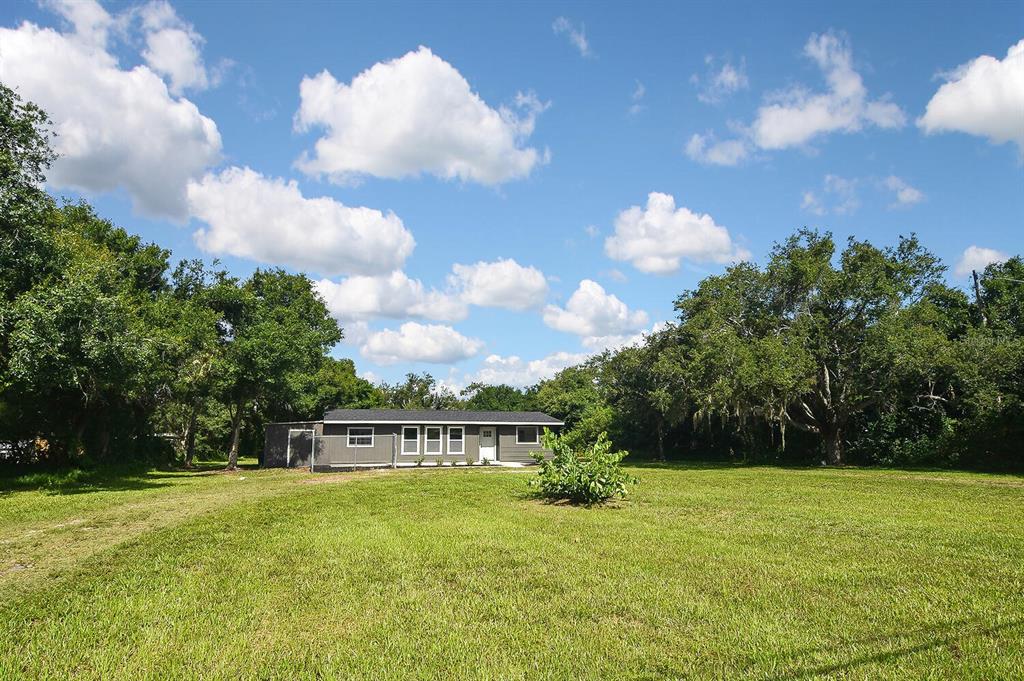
591	475
482	397
418	391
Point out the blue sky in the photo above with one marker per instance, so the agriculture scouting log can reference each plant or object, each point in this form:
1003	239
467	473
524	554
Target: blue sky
493	191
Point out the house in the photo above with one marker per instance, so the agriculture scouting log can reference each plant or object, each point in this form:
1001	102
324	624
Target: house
347	438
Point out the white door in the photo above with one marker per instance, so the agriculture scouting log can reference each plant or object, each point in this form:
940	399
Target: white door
487	446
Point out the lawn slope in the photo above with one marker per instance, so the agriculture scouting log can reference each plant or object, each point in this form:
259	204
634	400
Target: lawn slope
704	572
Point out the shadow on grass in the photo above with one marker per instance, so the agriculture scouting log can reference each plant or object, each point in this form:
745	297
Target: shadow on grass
107	478
697	465
946	635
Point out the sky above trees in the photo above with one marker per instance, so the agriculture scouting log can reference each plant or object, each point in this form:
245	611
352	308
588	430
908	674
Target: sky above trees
491	193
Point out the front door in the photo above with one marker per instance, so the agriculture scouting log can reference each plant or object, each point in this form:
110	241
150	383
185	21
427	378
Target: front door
487	444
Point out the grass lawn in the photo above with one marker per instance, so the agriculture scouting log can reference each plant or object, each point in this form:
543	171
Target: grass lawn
704	572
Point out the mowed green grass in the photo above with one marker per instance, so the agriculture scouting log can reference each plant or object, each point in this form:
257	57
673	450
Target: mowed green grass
705	572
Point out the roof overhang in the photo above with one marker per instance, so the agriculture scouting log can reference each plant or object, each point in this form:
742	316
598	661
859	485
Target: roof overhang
417	422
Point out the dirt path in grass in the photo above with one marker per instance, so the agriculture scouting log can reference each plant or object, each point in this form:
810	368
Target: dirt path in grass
43	533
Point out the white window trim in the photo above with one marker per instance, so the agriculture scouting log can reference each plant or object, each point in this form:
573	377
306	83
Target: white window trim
530	442
427	441
402	436
462	439
349	436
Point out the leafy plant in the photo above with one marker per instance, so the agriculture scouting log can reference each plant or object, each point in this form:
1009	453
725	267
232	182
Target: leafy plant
588	475
469	460
420	459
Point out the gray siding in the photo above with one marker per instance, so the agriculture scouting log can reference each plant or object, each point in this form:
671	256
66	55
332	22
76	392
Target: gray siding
275	445
332	445
510	452
333	449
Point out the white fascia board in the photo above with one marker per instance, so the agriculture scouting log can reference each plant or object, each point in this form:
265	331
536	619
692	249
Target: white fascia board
451	423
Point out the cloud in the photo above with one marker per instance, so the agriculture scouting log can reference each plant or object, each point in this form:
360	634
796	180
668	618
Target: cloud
709	150
591	311
592	231
115	128
395	295
838	197
977	258
412	115
173	48
654	239
269	220
721	80
616	342
503	283
905	194
576	36
796	116
637	99
984	97
515	371
415	342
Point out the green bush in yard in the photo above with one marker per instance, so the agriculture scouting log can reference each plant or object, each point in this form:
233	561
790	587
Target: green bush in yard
586	475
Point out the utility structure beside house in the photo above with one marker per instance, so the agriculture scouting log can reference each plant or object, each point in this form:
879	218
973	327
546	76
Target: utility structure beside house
358	438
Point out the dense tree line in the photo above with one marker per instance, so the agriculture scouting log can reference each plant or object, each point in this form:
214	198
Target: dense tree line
106	353
863	355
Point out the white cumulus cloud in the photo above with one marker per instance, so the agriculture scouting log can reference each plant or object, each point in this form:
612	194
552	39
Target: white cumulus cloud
838	196
516	371
269	220
984	97
413	342
977	258
591	311
116	127
905	194
502	283
412	115
795	116
721	80
173	47
577	35
395	295
709	149
654	239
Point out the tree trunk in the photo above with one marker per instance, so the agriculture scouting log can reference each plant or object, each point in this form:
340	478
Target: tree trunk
236	431
834	446
661	442
190	436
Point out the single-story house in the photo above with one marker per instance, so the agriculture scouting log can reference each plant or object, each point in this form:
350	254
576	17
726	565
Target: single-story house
347	438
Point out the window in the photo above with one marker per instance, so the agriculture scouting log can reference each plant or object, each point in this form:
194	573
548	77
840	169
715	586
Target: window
433	440
527	435
360	436
455	440
410	440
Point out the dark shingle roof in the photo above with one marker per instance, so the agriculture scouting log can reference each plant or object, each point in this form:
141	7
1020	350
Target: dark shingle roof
416	416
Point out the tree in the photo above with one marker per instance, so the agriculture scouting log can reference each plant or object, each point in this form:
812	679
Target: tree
334	385
278	328
418	391
83	349
190	319
805	342
482	397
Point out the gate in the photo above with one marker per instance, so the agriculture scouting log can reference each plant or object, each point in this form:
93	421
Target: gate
300	447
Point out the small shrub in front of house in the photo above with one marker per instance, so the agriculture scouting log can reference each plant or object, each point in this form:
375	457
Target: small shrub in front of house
586	475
